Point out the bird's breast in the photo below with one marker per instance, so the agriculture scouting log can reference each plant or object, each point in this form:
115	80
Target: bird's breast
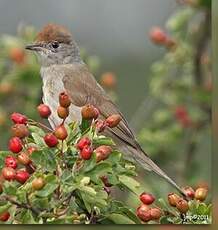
52	87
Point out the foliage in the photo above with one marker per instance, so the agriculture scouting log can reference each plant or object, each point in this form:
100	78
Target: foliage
180	90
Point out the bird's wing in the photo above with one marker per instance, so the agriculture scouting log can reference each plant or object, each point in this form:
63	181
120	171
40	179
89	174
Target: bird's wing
83	89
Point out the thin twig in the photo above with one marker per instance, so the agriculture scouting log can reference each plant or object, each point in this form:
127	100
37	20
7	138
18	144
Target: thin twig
21	205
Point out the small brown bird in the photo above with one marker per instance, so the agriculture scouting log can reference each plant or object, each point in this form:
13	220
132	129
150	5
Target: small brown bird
62	69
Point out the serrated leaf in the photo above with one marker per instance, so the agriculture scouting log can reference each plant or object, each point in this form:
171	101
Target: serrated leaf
120	219
5	207
45	158
88	190
102	140
38	139
89	164
27	218
100	169
35	129
129	182
202	208
114	157
10	188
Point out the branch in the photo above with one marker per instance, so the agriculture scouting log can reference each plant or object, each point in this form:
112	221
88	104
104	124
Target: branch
20	205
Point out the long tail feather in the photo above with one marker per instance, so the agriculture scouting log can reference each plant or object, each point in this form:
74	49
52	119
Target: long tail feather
148	164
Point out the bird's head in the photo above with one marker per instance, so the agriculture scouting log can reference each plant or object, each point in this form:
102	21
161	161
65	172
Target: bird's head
55	45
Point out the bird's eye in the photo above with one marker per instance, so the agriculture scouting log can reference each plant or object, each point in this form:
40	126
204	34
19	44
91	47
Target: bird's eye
55	44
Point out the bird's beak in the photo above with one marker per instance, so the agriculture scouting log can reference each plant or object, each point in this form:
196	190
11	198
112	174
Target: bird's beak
34	47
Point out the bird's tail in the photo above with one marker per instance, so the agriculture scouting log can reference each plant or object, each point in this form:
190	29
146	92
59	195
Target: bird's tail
148	164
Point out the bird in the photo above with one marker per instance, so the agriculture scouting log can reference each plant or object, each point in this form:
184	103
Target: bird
63	70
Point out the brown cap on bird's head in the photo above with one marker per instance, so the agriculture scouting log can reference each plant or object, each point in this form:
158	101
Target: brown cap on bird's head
53	32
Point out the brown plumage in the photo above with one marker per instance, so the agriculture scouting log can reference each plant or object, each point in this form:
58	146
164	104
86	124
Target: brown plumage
53	32
63	70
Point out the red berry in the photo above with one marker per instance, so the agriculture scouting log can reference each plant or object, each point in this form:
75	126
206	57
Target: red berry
51	140
86	153
182	205
24	158
11	162
89	112
155	213
147	198
108	80
8	173
172	199
84	141
113	120
44	110
158	36
20	130
22	176
62	112
181	112
15	145
61	132
4	216
64	100
100	125
143	212
102	152
18	118
201	194
189	191
17	55
38	183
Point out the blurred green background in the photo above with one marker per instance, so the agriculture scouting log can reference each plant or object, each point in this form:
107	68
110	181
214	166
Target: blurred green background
164	92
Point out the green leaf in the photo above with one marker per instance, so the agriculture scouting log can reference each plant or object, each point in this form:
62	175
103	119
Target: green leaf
5	207
38	139
35	129
27	218
130	214
120	219
86	202
102	140
10	188
165	220
100	169
49	188
202	209
88	190
45	158
129	182
114	157
84	125
89	164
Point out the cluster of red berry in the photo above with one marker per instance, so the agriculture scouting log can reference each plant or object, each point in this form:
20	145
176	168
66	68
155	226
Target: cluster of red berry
181	204
18	166
145	212
84	145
